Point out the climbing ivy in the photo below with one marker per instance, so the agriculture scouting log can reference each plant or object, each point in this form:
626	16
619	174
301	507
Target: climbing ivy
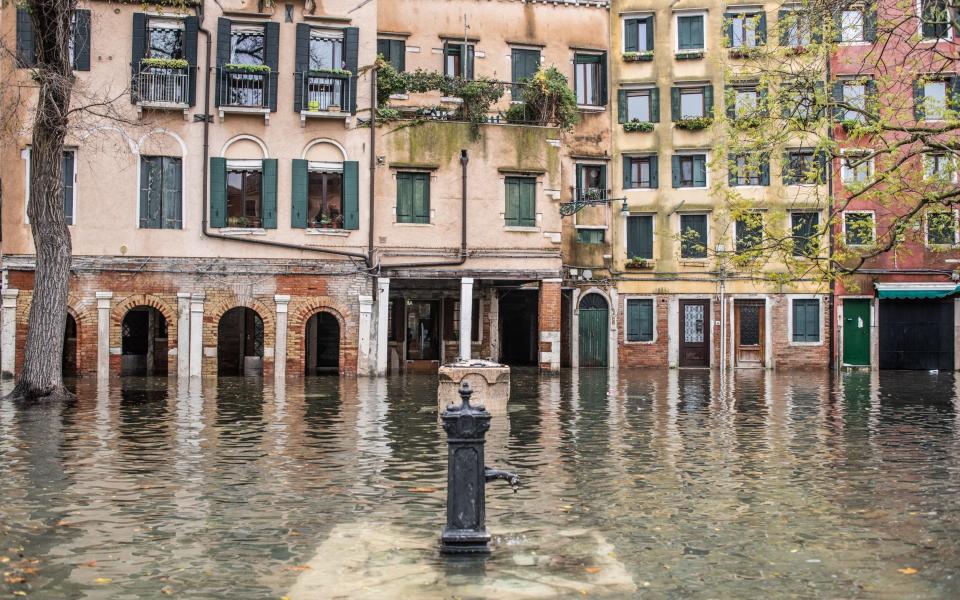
546	99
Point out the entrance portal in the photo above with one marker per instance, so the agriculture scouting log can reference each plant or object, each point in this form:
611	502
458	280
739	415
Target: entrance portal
749	315
519	310
856	332
68	365
144	342
694	333
594	329
322	345
240	342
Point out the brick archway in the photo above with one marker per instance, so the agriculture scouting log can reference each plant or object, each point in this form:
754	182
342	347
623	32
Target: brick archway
86	348
211	321
296	338
124	306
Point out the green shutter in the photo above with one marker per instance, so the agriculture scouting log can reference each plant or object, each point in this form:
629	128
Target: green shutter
578	184
732	171
191	29
271	58
172	193
351	194
870	23
764	169
762	29
696	35
675	169
81	40
268	196
631	35
528	202
149	170
468	61
603	80
764	104
68	183
806	320
646	320
26	49
621	106
649	25
836	93
683	33
421	198
351	62
918	100
298	193
301	64
633	320
728	29
218	192
782	17
708	101
398	55
675	104
699	171
512	208
404	197
654	172
640	236
633	237
730	97
627	178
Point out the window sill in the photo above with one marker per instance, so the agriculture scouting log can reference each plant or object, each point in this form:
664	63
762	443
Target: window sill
591	227
522	229
324	114
590	108
694	262
639	343
399	224
322	231
808	344
692	187
399	96
243	231
451	100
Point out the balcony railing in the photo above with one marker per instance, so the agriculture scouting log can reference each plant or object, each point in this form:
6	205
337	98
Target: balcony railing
163	86
324	92
244	89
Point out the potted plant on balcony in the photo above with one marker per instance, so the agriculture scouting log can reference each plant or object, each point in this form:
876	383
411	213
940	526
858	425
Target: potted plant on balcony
244	68
636	262
163	63
637	125
313	106
694	123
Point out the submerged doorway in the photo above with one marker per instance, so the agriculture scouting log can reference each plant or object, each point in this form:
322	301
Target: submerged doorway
694	333
749	332
422	335
519	311
68	364
593	330
322	345
240	342
143	335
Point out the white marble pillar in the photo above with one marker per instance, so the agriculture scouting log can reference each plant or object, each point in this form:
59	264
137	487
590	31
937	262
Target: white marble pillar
280	352
196	335
183	334
8	334
364	347
103	334
466	317
383	318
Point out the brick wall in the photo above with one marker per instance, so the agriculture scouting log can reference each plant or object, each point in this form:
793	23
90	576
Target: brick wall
791	356
548	320
645	354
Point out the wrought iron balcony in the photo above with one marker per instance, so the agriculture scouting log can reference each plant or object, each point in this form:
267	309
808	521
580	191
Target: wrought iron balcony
324	92
243	89
162	87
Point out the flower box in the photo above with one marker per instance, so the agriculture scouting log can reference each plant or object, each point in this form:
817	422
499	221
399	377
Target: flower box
332	73
241	68
689	55
694	124
638	126
645	56
639	264
744	52
164	63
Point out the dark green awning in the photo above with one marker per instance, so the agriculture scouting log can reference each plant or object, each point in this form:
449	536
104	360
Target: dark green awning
917	293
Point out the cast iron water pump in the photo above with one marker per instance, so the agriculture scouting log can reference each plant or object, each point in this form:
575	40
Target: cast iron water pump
466	426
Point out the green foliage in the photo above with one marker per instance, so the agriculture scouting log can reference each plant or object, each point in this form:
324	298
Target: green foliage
645	56
635	125
635	262
547	99
689	55
241	68
694	123
164	63
333	72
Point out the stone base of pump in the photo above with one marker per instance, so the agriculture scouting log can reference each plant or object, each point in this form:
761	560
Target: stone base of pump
490	382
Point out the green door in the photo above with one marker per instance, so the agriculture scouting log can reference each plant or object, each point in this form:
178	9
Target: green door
856	332
593	331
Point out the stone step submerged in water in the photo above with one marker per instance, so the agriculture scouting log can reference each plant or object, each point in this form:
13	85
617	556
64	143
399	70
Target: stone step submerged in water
366	560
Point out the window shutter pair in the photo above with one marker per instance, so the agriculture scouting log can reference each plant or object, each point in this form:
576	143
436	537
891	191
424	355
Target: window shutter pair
161	192
640	236
631	42
520	209
675	102
394	51
300	191
699	170
218	193
639	320
806	320
523	65
26	40
413	198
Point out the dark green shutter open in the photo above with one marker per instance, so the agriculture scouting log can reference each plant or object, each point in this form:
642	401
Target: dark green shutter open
621	106
764	169
654	172
81	40
732	170
218	192
631	35
708	101
299	183
627	176
730	98
836	92
870	23
918	95
728	29
191	28
301	63
654	105
68	184
762	29
138	36
269	194
223	56
699	171
649	25
351	49
26	50
675	169
782	17
271	57
603	80
675	104
351	194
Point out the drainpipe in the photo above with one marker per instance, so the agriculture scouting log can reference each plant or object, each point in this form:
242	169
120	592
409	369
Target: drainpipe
373	165
464	159
206	172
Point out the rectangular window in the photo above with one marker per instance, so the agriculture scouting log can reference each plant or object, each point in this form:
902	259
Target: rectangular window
801	168
638	34
693	236
806	320
639	320
69	183
247	45
749	232
939	166
934	100
588	79
164	38
455	64
325	198
852	23
858	228
941	228
413	197
795	28
640	172
521	199
638	105
161	184
590	236
805	228
855	97
746	101
799	101
690	32
326	49
690	170
856	168
591	182
640	236
745	30
749	169
692	103
244	196
524	65
934	19
394	52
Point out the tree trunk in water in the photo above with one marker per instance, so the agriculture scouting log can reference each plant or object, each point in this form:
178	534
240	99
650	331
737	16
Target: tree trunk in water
41	376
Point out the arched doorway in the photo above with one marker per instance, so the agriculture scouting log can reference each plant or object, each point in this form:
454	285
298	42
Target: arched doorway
321	342
594	329
240	342
143	335
68	365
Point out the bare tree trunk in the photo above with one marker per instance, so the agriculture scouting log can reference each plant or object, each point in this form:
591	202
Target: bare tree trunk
41	376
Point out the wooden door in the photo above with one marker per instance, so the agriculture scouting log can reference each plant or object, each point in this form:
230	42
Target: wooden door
593	330
749	332
694	333
856	332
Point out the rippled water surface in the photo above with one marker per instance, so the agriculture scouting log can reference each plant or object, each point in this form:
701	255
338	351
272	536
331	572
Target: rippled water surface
771	485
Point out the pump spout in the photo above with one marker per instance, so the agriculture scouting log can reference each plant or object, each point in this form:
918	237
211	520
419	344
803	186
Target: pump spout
512	478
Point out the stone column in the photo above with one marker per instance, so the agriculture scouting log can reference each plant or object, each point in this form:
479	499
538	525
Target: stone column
103	334
364	348
466	318
549	320
8	334
280	351
383	318
183	334
196	335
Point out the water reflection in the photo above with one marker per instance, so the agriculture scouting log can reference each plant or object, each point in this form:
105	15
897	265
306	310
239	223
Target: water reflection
821	486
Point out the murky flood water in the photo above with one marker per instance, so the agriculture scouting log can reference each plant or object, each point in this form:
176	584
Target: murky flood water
785	485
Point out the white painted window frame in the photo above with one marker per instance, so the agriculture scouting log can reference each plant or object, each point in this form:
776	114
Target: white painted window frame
626	303
873	217
822	318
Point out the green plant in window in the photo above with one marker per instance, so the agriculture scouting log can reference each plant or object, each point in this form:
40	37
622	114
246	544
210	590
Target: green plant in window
242	68
164	63
690	55
637	125
644	56
546	99
238	222
636	262
332	72
694	123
